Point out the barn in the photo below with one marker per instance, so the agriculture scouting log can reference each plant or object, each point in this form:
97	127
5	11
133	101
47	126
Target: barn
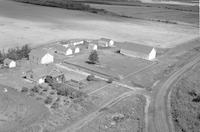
139	51
9	63
40	56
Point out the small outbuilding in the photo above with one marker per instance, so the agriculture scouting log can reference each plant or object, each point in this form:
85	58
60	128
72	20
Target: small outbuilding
41	56
9	63
104	42
92	46
136	50
76	50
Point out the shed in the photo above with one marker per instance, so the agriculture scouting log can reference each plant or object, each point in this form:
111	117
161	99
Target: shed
9	63
136	50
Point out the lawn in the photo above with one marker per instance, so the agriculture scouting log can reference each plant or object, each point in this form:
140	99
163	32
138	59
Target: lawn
111	64
126	115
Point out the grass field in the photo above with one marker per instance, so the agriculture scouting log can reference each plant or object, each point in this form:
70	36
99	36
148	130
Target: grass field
37	24
153	13
185	99
18	111
126	115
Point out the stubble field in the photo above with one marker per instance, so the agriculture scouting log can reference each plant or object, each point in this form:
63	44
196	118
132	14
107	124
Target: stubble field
30	24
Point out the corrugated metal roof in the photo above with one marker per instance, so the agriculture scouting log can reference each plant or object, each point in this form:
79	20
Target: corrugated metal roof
39	52
43	71
135	47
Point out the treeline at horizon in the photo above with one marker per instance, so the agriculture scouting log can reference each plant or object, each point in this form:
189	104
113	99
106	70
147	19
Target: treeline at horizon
66	4
16	53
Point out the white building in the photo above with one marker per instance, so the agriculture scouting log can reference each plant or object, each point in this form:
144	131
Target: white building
92	46
65	50
41	56
9	63
104	42
139	51
77	50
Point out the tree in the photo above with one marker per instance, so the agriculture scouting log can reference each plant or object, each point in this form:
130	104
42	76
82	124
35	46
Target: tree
25	50
2	57
93	58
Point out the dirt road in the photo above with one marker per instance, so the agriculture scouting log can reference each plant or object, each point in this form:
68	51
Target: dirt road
161	122
90	117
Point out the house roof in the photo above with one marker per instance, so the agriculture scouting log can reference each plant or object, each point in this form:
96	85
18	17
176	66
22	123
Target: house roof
39	52
7	61
70	41
93	42
46	70
59	47
135	47
105	39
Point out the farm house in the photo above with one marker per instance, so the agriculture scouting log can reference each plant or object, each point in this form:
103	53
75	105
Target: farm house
140	51
60	49
9	63
65	50
39	74
40	56
92	46
104	42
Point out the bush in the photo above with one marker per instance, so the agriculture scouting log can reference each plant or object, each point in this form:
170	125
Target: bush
192	93
48	100
49	80
91	78
55	105
35	89
24	90
110	80
197	99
